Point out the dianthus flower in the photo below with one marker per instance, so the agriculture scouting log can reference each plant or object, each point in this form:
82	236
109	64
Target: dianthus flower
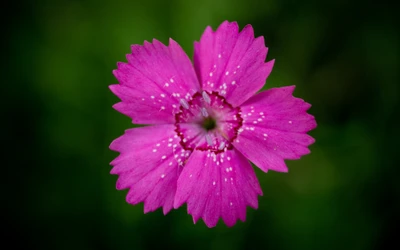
206	122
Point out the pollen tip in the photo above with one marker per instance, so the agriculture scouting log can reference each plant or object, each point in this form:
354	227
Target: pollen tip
206	97
209	140
204	112
184	103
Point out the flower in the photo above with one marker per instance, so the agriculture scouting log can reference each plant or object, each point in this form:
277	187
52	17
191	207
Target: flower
205	123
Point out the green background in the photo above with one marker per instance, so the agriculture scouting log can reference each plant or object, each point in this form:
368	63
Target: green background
58	123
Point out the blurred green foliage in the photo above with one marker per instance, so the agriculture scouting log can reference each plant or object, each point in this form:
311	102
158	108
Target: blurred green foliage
343	56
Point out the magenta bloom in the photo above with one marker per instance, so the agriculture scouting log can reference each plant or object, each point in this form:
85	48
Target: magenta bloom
206	123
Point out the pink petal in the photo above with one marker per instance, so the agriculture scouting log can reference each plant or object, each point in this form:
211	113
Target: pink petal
232	63
274	128
149	164
153	82
215	186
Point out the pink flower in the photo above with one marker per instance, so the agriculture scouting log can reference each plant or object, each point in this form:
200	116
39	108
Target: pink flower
206	123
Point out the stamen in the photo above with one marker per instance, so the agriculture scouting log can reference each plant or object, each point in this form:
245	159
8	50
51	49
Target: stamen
212	115
209	140
184	103
206	97
204	112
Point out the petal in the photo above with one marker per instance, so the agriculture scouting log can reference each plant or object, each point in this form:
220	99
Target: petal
232	63
149	164
274	128
153	82
217	186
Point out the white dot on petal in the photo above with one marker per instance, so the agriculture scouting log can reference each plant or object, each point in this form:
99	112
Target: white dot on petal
233	82
163	175
154	150
163	157
152	97
213	183
290	122
219	55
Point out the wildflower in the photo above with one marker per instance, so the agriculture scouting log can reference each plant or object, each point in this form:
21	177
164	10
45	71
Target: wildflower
205	123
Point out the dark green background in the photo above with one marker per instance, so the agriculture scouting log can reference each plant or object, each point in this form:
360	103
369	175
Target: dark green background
58	122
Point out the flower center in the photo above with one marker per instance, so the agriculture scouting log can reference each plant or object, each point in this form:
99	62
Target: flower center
207	122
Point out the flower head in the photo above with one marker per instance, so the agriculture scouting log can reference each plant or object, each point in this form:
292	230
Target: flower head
206	123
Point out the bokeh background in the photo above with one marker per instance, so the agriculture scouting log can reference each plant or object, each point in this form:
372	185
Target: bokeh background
58	123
